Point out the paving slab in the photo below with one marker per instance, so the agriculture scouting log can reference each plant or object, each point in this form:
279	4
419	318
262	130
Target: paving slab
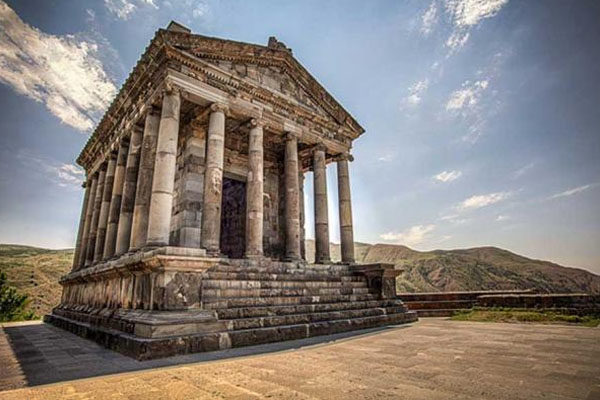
431	359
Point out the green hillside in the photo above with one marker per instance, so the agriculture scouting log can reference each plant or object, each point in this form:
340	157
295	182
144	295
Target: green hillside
35	272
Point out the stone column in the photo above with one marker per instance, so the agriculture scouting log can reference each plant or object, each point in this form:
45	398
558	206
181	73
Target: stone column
254	191
109	181
128	199
79	242
114	212
143	191
88	221
91	247
345	209
321	214
213	180
292	199
161	201
302	216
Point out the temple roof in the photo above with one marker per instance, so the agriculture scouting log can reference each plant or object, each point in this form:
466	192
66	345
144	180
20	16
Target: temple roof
180	39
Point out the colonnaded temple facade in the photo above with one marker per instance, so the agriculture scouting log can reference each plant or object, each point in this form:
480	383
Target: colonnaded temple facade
191	235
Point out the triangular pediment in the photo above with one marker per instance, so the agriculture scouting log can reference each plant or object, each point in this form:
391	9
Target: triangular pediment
273	68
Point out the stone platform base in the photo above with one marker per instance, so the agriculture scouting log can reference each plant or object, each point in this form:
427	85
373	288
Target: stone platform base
162	305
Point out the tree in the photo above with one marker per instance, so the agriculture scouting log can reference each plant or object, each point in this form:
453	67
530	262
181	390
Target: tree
13	304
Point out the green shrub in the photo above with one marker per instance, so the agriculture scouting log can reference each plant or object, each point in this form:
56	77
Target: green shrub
12	304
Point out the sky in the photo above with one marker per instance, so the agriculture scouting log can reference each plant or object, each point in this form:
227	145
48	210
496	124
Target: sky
482	116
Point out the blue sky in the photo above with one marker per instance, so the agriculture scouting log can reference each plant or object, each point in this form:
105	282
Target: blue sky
481	117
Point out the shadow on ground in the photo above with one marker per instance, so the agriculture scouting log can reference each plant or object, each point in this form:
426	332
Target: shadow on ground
45	354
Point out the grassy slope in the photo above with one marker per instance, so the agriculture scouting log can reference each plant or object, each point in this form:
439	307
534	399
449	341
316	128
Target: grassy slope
35	272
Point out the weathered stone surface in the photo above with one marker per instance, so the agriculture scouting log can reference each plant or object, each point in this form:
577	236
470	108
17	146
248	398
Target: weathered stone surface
143	192
213	179
91	247
345	211
321	214
128	199
161	201
114	211
105	206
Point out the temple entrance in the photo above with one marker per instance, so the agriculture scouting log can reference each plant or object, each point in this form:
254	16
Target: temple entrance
233	218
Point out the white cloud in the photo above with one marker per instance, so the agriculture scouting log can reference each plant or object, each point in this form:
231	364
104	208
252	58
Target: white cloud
124	9
415	93
466	102
483	200
411	236
573	191
64	175
468	96
386	158
467	13
447	176
501	218
428	19
521	171
62	72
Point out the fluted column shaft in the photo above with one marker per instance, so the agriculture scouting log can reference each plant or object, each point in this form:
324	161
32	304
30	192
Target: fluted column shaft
109	181
81	234
114	212
91	247
128	199
80	229
345	211
213	180
321	214
161	202
143	191
292	199
302	216
254	192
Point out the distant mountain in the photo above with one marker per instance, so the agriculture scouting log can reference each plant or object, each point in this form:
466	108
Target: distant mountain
481	268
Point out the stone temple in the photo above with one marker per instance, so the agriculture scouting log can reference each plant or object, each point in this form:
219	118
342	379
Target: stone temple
191	235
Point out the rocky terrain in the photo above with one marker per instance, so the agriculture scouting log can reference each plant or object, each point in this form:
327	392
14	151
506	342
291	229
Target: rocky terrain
481	268
36	271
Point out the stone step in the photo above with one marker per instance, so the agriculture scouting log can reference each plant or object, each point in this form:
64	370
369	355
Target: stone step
306	318
263	276
248	337
282	292
287	284
145	349
260	311
218	303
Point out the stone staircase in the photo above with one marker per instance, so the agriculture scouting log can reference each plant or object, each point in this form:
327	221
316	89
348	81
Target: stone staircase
261	304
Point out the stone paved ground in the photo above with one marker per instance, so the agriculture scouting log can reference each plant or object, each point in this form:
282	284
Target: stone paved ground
432	359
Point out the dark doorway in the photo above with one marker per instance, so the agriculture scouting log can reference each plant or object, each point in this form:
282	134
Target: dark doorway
233	218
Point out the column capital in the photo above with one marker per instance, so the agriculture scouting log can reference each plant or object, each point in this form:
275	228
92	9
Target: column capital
257	122
291	135
319	147
219	107
344	157
170	89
